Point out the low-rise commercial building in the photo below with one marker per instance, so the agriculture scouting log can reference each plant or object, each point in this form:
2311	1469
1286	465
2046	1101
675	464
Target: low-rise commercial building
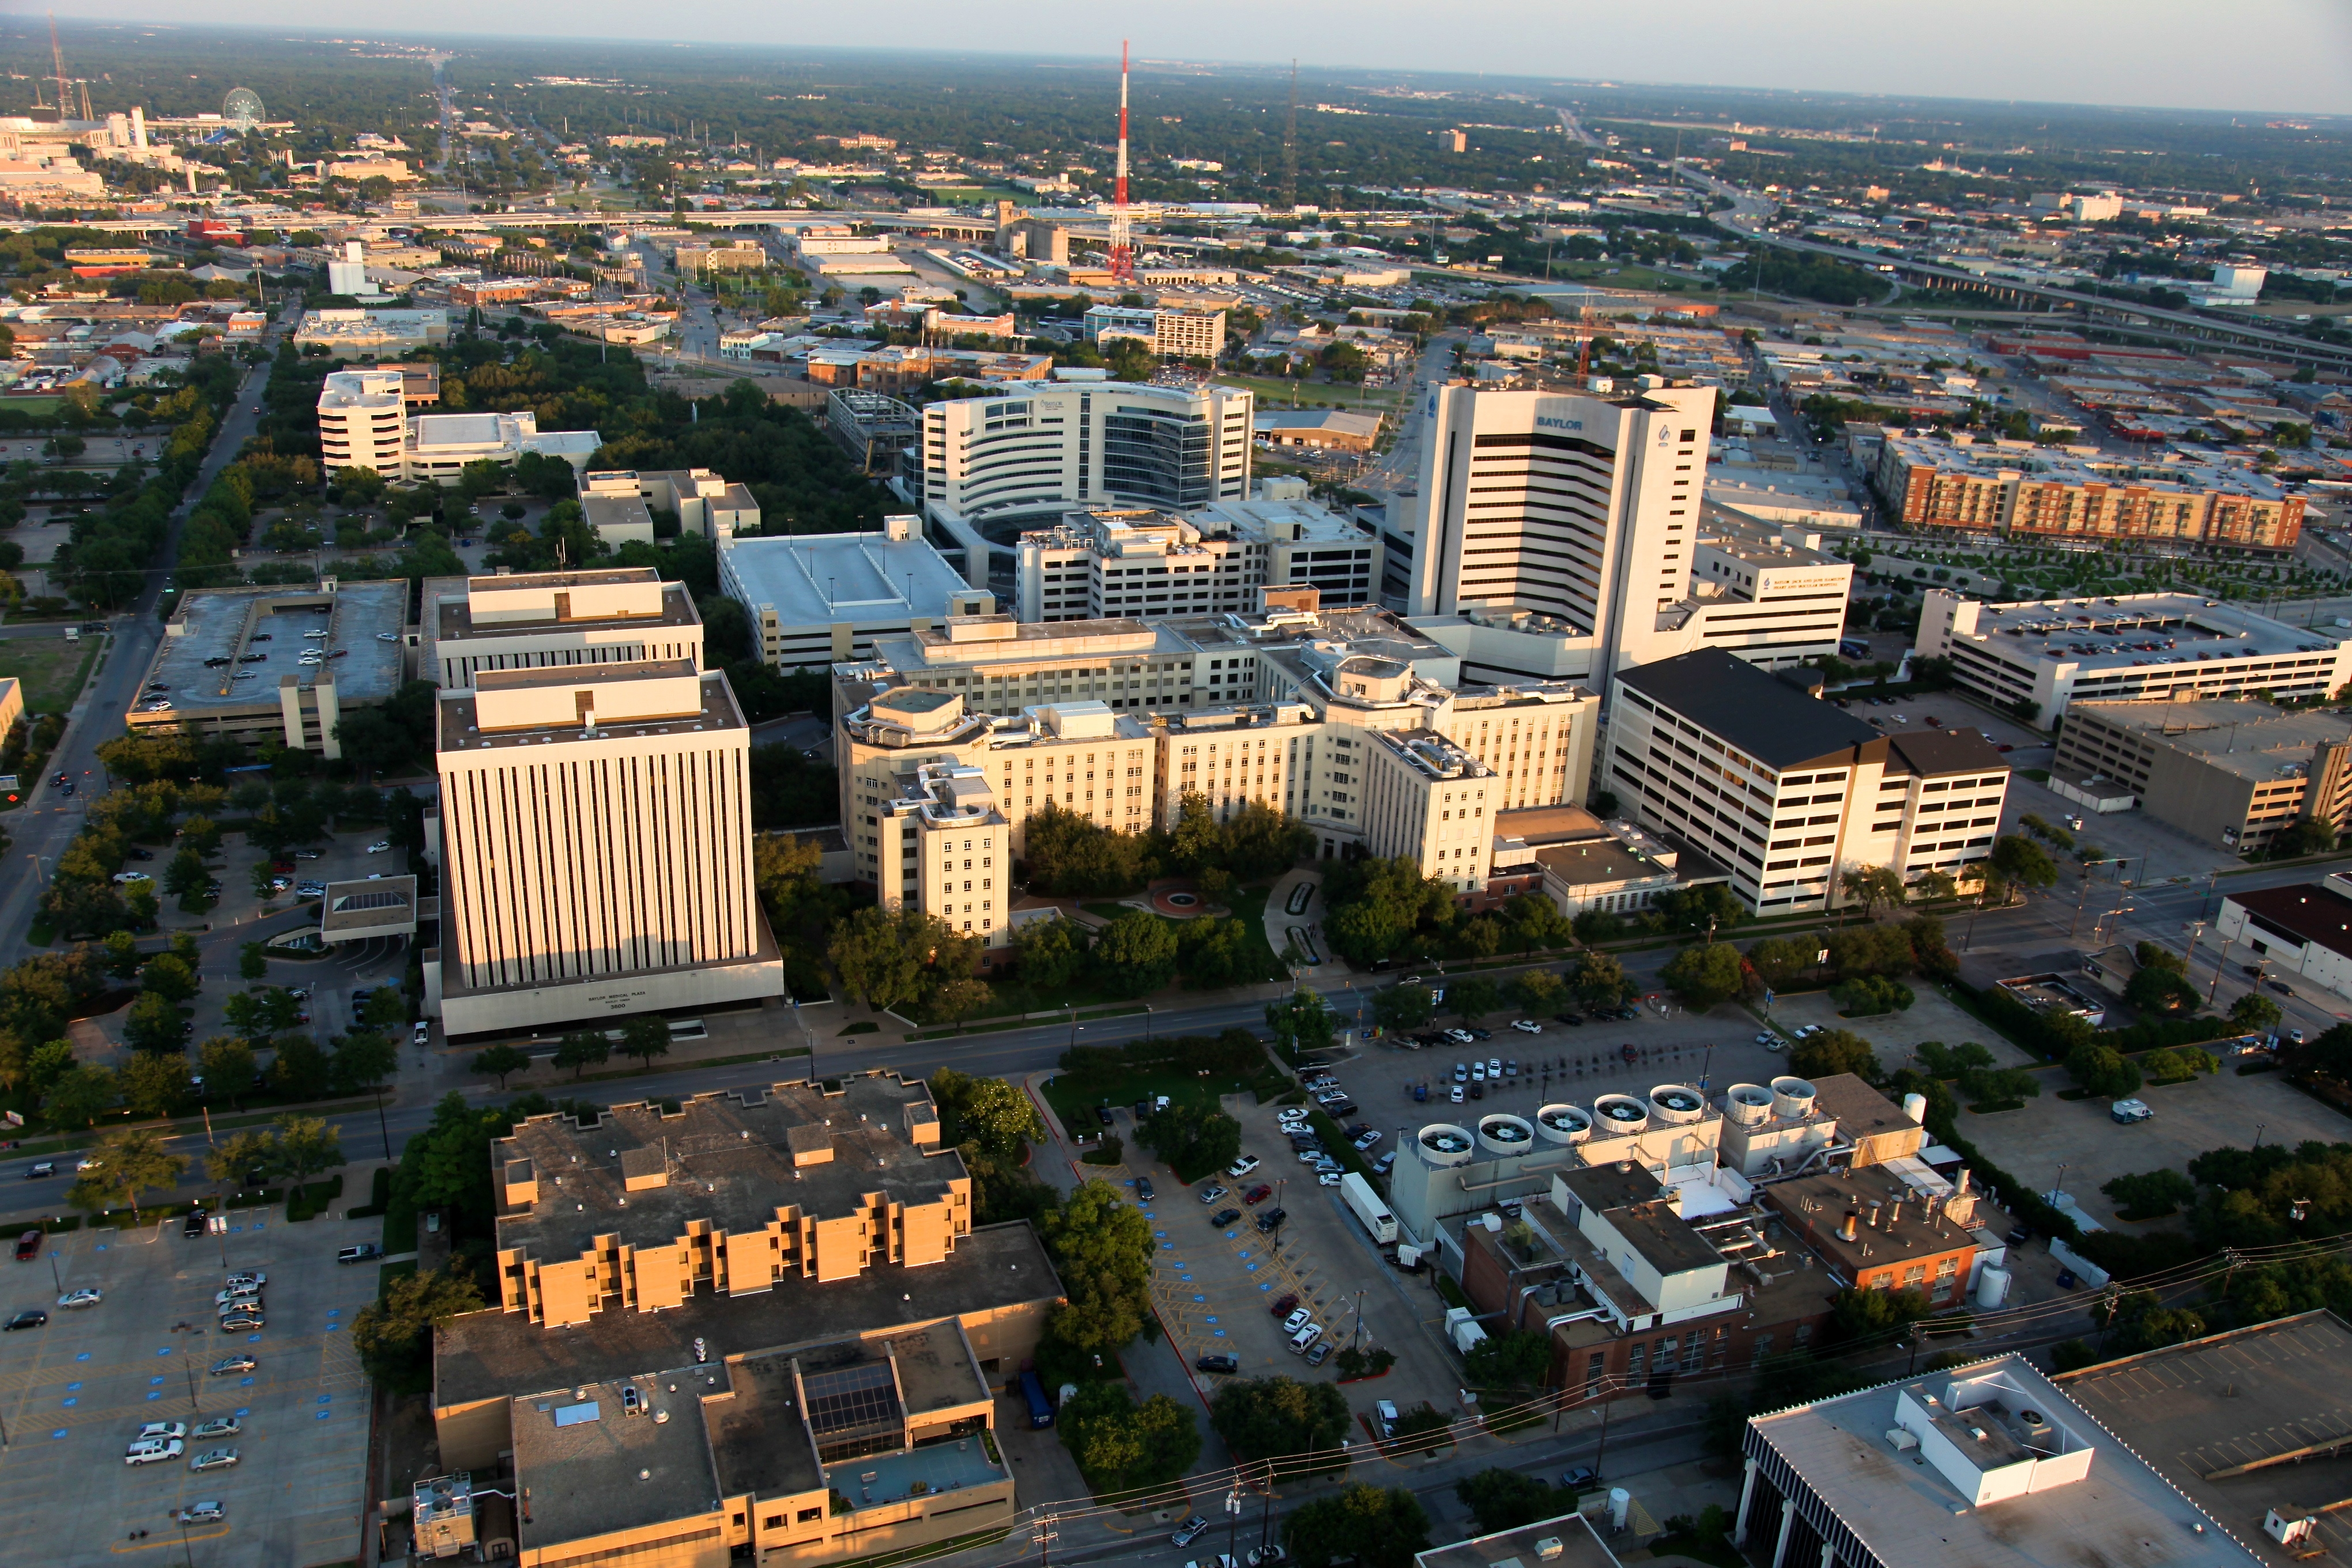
275	664
2230	772
1994	1464
2017	489
345	334
2303	929
597	849
537	620
2039	657
1317	429
1787	792
724	1356
817	599
439	445
1171	333
1146	564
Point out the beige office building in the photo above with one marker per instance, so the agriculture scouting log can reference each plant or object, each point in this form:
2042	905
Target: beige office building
597	846
539	620
953	851
2228	773
1341	718
1788	793
707	1343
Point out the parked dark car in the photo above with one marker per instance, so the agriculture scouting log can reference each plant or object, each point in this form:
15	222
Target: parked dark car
1224	1363
1223	1217
1102	1113
1271	1218
29	1247
1143	1188
1282	1307
194	1225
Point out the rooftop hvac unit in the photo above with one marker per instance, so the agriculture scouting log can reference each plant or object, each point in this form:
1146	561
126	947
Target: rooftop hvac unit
1672	1104
1792	1098
1620	1115
1749	1104
1563	1124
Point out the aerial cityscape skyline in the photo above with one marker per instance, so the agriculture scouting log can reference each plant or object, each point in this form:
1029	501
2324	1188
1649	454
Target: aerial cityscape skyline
852	807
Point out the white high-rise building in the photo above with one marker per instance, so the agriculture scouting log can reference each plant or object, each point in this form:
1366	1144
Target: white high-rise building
1022	455
596	834
363	421
1580	507
1559	536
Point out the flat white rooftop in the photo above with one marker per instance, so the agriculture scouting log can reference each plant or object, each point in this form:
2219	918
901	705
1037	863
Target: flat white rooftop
823	579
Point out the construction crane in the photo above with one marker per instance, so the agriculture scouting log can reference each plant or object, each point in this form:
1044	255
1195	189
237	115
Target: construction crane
1122	242
1583	346
57	57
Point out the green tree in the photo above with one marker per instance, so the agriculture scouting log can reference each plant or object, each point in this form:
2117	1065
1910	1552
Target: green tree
1281	1418
2021	863
499	1060
1050	954
1373	1526
1102	1247
1401	1007
1472	997
386	1009
228	1066
1301	1022
2103	1070
154	1024
987	1115
1514	1360
645	1037
1505	1500
2254	1013
1193	1138
1779	960
308	1145
959	996
1870	1317
301	1070
168	976
243	1155
156	1083
580	1049
363	1059
394	1336
1121	1446
1871	885
1539	990
187	878
1601	981
2149	1195
1704	975
129	1164
1833	1051
79	1095
1135	953
889	958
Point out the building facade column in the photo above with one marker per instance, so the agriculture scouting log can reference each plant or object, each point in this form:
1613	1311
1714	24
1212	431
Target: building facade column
1747	1496
1829	1555
1787	1521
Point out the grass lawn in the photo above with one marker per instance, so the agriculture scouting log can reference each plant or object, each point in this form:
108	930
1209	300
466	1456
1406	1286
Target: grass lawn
1074	1098
52	671
1248	905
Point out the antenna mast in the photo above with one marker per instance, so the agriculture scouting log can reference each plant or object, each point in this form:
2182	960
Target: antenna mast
1290	147
57	59
1122	246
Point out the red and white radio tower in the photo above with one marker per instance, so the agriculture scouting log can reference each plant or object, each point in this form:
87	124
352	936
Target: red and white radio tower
1123	244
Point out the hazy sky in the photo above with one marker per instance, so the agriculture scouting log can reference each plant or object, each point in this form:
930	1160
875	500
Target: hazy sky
2259	56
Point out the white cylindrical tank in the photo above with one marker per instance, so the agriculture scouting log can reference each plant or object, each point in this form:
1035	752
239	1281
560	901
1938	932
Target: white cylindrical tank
1617	1115
1992	1287
1914	1106
1442	1144
1504	1136
1675	1104
1563	1124
1749	1104
1792	1098
1621	1507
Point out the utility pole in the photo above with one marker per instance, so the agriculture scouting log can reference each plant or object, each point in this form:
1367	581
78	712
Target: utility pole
1043	1535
